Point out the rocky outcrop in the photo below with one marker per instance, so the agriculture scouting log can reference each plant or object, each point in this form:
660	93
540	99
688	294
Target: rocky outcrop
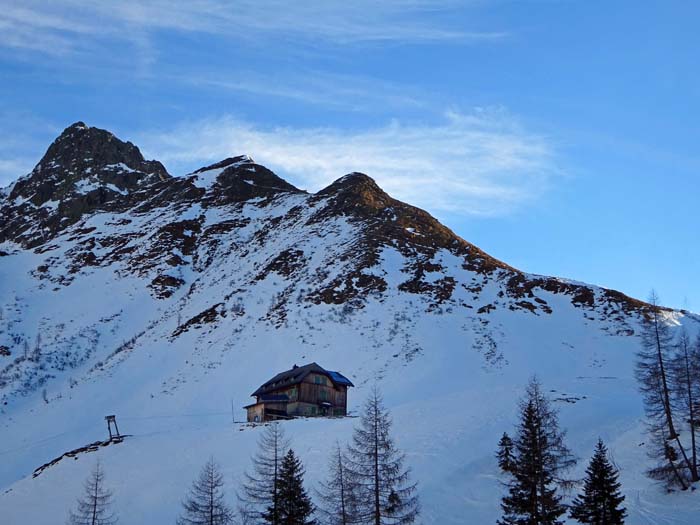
88	170
239	179
85	169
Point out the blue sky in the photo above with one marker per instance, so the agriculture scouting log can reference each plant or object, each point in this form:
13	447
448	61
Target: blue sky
559	136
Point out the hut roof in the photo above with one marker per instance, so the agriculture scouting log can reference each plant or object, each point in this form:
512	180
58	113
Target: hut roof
296	375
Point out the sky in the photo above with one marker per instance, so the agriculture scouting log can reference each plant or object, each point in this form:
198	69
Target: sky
560	136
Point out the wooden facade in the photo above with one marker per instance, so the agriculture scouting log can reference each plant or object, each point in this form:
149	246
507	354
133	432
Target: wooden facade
305	391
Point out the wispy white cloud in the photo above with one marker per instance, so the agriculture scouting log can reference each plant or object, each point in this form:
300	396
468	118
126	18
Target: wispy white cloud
478	163
331	90
70	25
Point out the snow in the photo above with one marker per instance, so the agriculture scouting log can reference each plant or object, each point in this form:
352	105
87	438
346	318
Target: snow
451	377
121	167
52	205
206	179
19	201
87	185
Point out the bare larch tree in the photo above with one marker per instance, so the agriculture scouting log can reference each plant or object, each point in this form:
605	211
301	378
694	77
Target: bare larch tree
260	490
384	492
653	374
337	494
95	506
205	504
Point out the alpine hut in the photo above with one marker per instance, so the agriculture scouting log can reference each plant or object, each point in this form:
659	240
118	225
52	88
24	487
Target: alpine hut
308	390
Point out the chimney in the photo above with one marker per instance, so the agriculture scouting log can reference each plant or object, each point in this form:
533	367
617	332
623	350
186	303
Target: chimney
295	367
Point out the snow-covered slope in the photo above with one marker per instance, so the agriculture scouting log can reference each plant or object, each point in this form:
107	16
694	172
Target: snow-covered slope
168	300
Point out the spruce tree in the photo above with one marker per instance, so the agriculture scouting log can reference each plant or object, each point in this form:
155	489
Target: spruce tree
540	459
337	494
294	506
505	453
260	490
600	502
94	508
205	503
384	492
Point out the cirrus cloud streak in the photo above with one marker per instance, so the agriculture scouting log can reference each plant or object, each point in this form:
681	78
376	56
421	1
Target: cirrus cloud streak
480	163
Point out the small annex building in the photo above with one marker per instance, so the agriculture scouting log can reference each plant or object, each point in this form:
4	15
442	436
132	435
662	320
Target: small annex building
308	390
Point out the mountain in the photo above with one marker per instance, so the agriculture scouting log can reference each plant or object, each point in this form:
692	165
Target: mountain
166	300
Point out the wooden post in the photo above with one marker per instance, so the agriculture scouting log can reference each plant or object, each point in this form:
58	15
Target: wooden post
110	420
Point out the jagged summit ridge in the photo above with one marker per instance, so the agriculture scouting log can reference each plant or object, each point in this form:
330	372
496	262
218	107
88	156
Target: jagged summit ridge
85	169
230	161
238	179
94	155
88	171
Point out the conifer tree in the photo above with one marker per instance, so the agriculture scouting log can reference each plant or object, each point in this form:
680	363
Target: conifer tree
653	374
293	506
338	505
205	504
540	459
505	453
383	490
600	502
686	392
260	489
94	508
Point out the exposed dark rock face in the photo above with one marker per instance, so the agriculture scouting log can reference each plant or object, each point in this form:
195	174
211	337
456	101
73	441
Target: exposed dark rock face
235	243
392	223
241	179
84	170
93	156
240	159
88	170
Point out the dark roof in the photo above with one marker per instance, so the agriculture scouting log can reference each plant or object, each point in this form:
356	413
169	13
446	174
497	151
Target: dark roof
271	398
339	378
296	375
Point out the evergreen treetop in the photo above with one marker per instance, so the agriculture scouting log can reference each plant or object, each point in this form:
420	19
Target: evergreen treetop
540	458
506	460
600	502
294	506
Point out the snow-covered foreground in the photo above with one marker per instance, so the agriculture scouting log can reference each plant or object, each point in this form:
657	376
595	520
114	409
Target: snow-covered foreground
449	407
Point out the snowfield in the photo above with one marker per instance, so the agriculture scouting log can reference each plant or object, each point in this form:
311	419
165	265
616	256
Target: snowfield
167	316
450	401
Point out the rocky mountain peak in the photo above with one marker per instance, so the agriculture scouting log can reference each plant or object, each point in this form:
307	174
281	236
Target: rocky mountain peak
85	169
239	178
84	159
356	193
238	160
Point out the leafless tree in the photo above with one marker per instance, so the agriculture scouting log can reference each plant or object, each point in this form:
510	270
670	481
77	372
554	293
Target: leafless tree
384	491
259	497
205	503
94	507
337	494
686	392
653	374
